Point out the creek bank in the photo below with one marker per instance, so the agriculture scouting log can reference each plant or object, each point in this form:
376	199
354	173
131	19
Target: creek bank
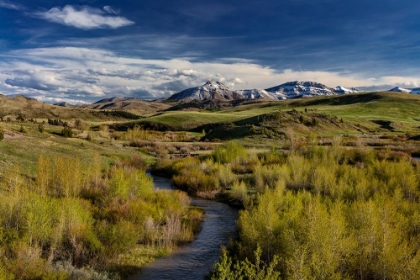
194	260
222	197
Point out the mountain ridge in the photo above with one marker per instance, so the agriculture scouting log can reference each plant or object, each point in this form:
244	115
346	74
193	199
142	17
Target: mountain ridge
407	90
219	91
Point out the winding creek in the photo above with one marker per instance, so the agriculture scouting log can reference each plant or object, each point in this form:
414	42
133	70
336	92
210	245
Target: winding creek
195	260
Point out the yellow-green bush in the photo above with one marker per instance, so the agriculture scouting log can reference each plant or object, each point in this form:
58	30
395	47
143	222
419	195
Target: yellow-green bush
231	152
328	214
76	215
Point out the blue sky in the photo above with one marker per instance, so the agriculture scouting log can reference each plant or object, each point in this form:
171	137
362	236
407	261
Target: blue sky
85	50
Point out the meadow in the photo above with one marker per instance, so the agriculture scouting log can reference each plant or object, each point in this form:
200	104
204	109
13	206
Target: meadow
327	187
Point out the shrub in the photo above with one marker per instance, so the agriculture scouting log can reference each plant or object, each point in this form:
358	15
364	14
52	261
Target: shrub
67	132
41	128
81	125
239	192
231	152
1	134
117	238
128	184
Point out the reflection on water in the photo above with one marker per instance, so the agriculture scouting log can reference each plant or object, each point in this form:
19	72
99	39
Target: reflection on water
195	260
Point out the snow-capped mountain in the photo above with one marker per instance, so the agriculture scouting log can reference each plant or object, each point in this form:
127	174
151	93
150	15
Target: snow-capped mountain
300	89
208	91
254	94
218	91
343	90
400	89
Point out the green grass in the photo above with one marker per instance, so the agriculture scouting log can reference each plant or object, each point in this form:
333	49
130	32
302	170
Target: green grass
24	149
361	113
180	120
360	109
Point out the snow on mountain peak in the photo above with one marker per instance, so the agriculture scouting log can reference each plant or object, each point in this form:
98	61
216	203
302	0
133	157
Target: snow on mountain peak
217	90
298	89
208	91
343	90
399	89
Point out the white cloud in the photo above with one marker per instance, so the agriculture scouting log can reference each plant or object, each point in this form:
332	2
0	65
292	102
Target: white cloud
83	17
111	10
83	74
7	5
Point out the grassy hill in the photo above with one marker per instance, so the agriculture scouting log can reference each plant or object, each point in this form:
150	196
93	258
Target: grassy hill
16	107
376	112
132	105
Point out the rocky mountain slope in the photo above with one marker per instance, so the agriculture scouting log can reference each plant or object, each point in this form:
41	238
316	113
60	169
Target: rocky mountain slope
343	90
400	89
299	89
208	91
219	91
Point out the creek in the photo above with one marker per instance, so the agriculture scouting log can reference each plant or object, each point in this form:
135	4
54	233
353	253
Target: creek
196	259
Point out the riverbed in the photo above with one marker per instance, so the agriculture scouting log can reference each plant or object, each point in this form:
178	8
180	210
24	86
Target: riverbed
196	259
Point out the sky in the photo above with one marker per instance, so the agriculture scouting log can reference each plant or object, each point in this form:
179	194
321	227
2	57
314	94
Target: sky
81	51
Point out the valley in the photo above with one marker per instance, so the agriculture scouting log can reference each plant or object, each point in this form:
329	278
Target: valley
285	164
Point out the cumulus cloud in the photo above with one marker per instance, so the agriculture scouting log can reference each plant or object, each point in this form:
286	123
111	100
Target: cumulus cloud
84	17
86	75
7	5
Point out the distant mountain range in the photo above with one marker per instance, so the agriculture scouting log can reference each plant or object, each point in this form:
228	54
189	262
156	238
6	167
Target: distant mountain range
400	89
219	91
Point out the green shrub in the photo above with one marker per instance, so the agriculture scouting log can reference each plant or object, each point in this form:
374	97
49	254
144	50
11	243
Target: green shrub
67	132
231	152
117	238
41	128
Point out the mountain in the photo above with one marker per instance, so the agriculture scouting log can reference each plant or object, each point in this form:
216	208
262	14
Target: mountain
254	94
218	91
300	89
63	104
399	89
129	104
208	91
113	99
343	90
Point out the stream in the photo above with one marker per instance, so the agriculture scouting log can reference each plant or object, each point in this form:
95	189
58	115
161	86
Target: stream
196	259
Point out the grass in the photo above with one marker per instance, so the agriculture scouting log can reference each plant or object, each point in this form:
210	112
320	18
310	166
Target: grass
362	113
395	107
361	110
139	256
24	149
181	120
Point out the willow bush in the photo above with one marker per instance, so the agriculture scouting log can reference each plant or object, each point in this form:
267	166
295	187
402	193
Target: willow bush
78	217
328	213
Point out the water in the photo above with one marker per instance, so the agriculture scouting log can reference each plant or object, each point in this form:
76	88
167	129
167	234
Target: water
195	260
